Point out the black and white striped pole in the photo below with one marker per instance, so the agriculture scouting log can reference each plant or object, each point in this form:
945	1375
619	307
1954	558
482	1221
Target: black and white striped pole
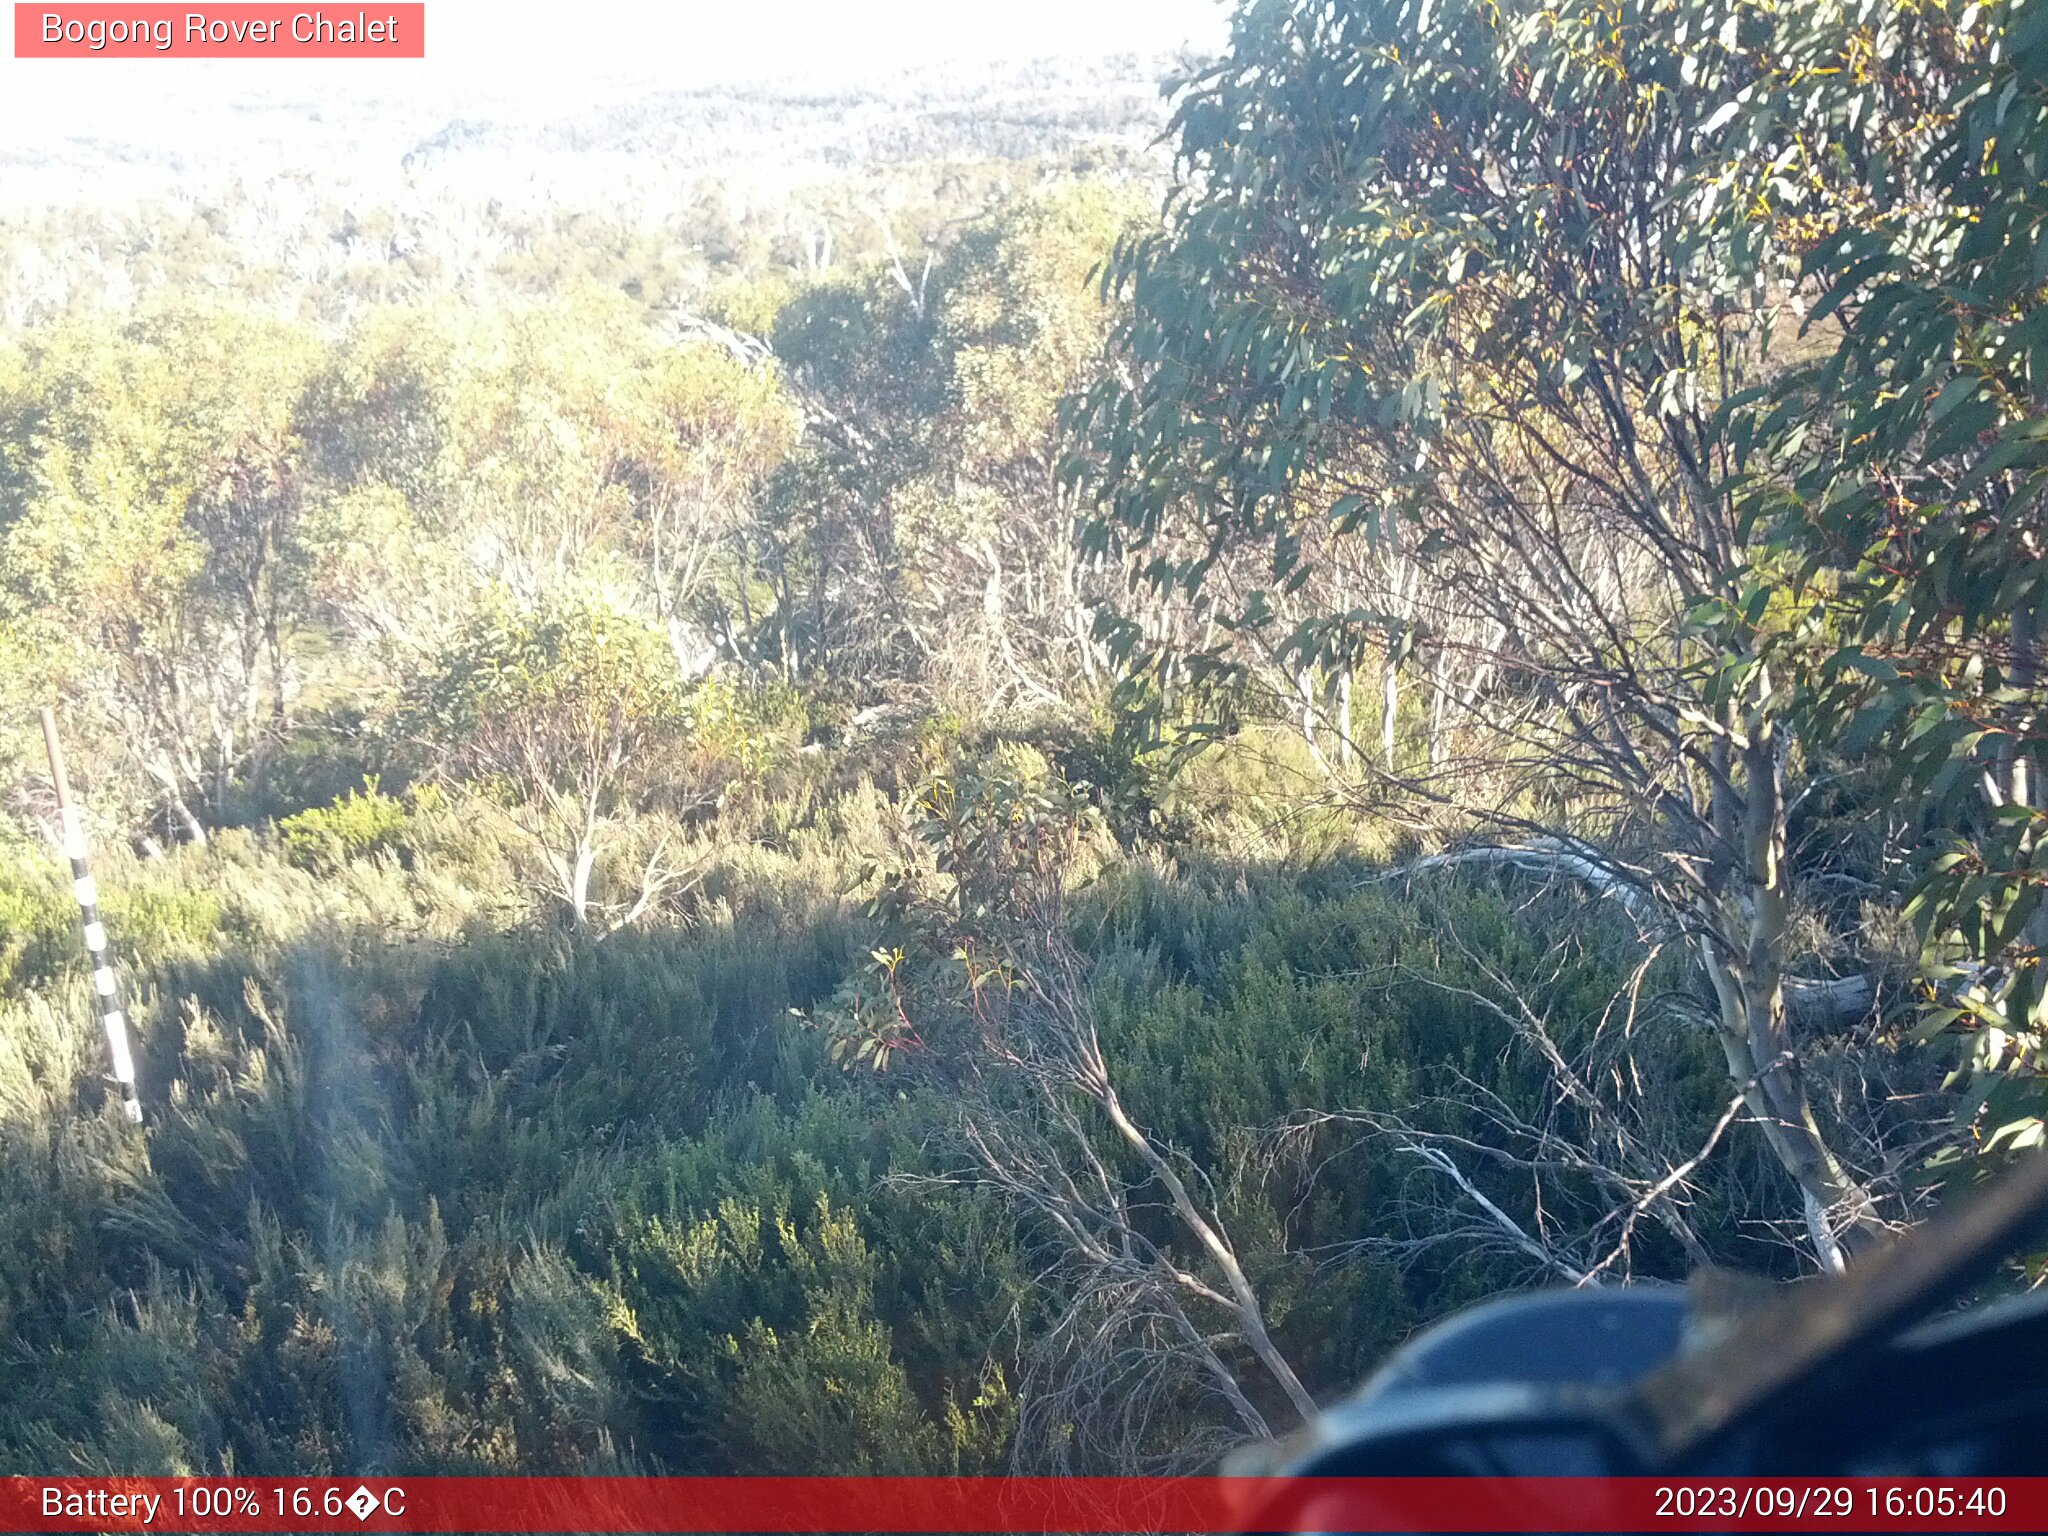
103	984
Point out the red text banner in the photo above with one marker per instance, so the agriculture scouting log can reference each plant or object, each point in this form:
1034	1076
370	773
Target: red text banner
225	31
969	1504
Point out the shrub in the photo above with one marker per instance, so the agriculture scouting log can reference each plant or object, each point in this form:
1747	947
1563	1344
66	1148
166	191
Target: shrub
360	823
38	920
152	920
326	754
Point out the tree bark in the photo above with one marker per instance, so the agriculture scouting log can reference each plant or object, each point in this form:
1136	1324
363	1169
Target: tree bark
1390	706
1749	988
1251	1317
577	886
1344	716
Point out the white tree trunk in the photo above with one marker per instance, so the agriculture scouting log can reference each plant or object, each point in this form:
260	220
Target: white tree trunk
1390	707
1344	716
579	882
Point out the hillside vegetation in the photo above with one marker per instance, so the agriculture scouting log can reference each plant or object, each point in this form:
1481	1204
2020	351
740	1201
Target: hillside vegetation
966	821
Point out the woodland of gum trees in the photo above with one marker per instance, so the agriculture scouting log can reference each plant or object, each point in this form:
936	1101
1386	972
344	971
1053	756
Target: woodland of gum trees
1024	845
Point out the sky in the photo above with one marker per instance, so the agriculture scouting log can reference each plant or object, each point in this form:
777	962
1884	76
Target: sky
552	52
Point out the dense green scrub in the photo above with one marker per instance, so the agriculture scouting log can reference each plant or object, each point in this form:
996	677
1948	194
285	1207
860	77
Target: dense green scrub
430	1184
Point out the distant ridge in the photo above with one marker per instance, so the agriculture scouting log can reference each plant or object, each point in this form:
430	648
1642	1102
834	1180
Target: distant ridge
615	144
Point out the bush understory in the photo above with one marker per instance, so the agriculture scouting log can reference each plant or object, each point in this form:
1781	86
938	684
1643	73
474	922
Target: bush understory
432	1183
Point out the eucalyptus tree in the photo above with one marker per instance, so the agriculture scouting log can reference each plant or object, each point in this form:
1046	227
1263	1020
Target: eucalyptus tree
1918	441
559	714
923	525
1018	326
703	432
157	548
1451	282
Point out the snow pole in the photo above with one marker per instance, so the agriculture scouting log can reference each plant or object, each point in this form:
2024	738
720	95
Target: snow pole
104	987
